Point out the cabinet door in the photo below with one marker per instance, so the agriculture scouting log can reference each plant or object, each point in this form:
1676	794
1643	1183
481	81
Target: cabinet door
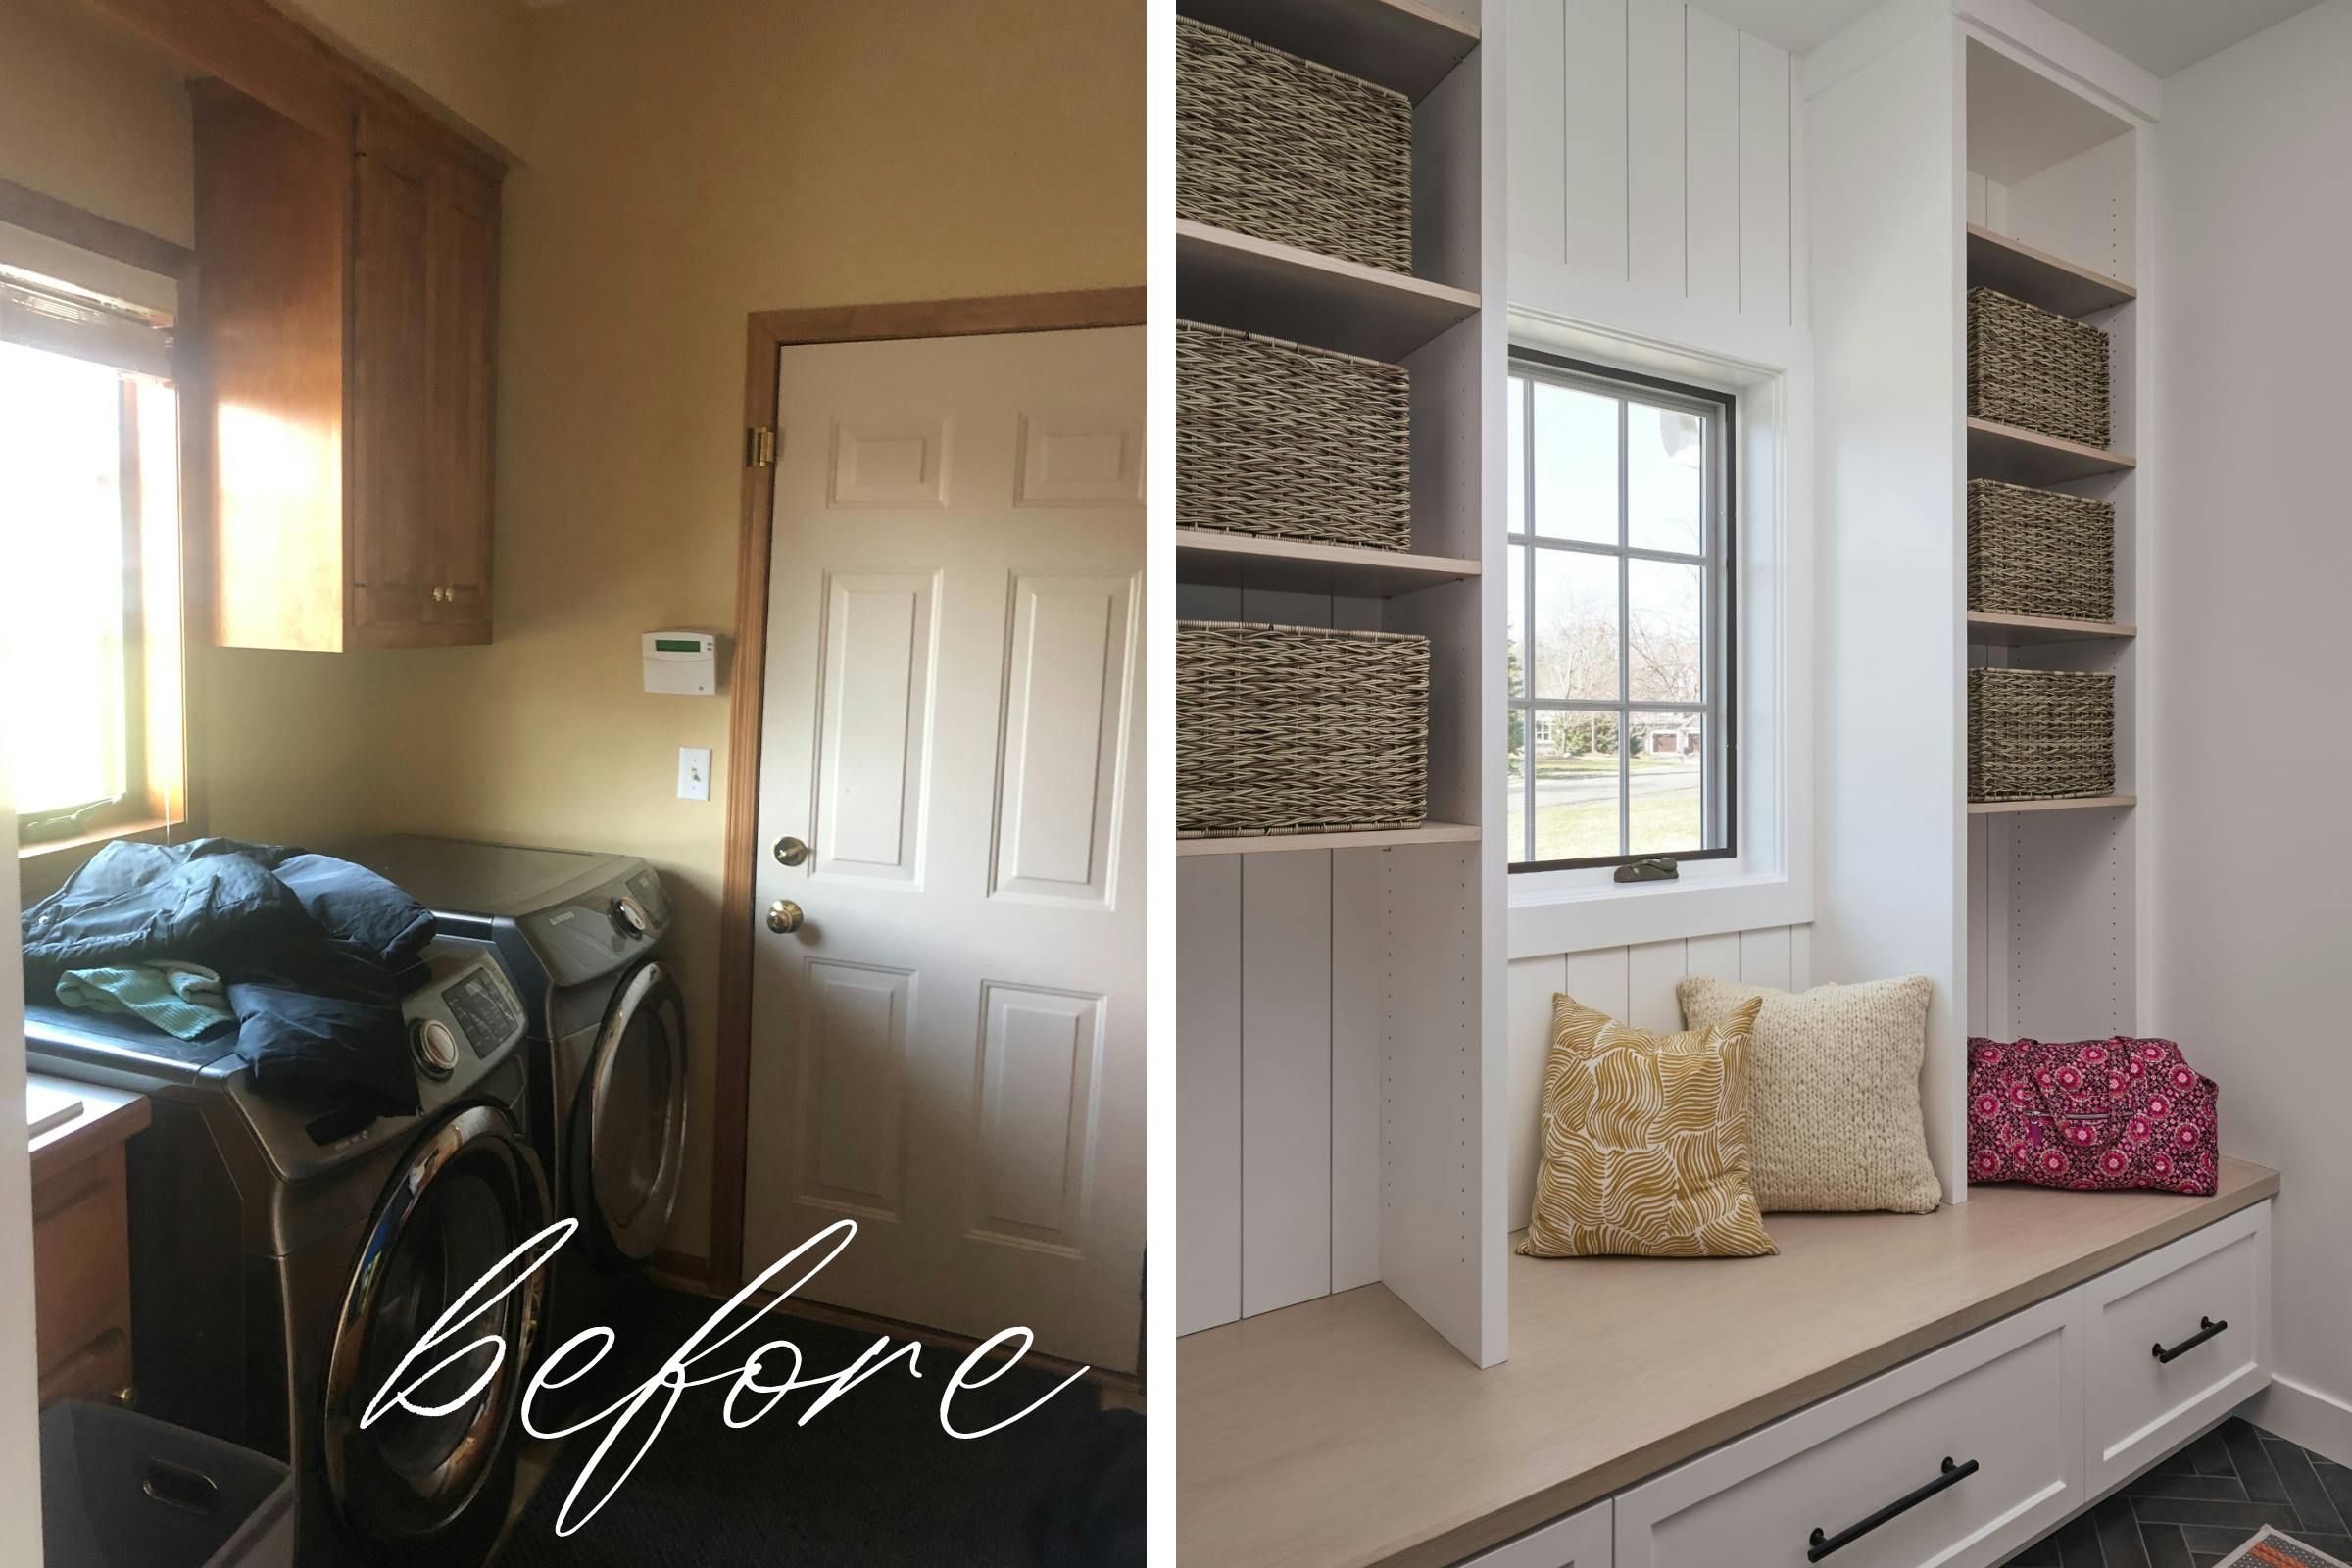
393	548
464	324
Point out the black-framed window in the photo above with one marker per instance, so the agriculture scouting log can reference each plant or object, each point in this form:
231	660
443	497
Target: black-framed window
1621	737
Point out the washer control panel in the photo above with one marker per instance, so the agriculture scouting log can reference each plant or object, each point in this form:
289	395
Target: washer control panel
485	1010
468	999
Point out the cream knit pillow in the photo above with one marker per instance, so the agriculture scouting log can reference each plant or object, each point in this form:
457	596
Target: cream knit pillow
1833	1098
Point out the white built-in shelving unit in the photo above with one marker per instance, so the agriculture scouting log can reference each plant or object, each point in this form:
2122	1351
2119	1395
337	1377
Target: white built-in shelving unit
1339	995
1942	158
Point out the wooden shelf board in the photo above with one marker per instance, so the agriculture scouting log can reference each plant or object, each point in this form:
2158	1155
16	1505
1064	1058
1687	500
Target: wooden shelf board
1378	838
1256	285
1999	629
2022	457
1995	261
1248	561
1344	1431
2078	802
1400	44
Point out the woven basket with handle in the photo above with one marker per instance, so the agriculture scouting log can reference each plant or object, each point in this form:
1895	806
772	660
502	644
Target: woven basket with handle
1299	729
1281	148
2039	552
2041	734
2034	369
1294	442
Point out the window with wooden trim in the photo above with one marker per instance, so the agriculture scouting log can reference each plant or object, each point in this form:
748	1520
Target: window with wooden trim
1621	719
90	546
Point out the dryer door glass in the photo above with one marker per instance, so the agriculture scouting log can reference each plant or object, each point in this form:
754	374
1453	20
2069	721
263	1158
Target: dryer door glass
635	1144
470	1195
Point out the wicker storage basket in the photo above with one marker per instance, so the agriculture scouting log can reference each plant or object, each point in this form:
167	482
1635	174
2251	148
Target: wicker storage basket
2034	369
1299	443
1299	729
2039	734
2039	552
1279	148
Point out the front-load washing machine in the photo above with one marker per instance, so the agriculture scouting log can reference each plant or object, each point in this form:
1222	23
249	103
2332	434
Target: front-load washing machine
284	1262
581	934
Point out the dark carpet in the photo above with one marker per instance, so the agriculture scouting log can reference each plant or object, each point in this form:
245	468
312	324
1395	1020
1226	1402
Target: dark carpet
2206	1502
872	1480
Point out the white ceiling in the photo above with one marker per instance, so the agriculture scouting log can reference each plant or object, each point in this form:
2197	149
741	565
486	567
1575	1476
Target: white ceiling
2160	37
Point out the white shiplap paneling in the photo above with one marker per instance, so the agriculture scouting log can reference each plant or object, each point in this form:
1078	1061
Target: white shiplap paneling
1208	1091
1711	156
1655	246
1650	144
1765	256
1592	99
1635	984
1286	1079
1538	168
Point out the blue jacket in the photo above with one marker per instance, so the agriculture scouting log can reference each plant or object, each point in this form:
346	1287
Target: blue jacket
312	949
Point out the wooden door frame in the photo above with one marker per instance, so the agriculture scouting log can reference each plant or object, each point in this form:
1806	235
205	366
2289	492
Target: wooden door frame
770	333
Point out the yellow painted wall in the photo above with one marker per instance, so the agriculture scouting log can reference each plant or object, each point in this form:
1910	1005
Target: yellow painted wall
90	118
691	162
465	55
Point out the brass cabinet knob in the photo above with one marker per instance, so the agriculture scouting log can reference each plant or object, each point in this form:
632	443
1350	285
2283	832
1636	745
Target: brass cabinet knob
783	918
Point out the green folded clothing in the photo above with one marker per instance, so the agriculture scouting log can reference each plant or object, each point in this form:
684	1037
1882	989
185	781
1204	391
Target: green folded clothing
179	998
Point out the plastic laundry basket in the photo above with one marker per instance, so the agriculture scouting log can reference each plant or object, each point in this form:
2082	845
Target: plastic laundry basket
120	1490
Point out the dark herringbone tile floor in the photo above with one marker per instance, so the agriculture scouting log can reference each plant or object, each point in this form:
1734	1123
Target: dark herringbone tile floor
2206	1502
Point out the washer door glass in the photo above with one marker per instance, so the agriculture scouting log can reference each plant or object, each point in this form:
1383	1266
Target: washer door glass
470	1195
634	1146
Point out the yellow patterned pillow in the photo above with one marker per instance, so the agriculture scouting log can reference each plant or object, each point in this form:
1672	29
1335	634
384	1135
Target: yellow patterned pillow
1645	1141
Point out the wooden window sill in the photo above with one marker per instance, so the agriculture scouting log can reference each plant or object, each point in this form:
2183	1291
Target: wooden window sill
146	829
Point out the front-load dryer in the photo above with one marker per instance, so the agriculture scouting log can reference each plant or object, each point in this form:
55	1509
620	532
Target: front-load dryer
284	1262
581	936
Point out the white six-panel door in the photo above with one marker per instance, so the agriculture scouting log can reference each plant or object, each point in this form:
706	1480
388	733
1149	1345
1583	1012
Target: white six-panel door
949	1050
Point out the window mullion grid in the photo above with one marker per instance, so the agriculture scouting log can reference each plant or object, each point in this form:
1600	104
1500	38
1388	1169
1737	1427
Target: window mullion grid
1625	646
1526	622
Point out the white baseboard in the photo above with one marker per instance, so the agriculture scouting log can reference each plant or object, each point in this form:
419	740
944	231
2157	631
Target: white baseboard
2301	1413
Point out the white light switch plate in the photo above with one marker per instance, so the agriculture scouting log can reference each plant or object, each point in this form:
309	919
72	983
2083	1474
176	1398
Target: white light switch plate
694	772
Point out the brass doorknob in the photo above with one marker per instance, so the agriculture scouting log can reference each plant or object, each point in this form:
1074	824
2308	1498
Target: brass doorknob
783	918
791	851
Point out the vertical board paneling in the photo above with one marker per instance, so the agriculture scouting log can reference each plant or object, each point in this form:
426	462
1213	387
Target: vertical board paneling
1356	1042
1764	957
1711	117
1597	979
1538	135
1651	970
1654	144
1593	106
1717	956
1529	986
1654	205
1764	235
1286	1079
1208	1091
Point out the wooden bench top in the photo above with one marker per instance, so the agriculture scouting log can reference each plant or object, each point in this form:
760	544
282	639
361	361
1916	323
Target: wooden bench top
1343	1432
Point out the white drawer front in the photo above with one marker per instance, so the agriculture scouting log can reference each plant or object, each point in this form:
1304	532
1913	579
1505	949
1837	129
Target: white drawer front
2141	1407
2008	1397
1579	1541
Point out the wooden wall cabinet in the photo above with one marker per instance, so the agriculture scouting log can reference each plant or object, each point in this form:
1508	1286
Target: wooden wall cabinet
345	322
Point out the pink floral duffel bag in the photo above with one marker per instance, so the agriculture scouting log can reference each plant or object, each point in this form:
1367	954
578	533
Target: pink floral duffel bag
2091	1116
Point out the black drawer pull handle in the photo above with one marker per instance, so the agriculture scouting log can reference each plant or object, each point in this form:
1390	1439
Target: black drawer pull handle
1952	1474
2207	1327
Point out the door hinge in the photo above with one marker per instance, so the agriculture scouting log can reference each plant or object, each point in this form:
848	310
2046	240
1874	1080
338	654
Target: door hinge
759	446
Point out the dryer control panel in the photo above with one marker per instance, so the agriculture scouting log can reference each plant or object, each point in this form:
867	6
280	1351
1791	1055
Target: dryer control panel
600	928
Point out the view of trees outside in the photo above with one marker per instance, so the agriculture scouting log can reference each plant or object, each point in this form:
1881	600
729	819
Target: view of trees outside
1583	798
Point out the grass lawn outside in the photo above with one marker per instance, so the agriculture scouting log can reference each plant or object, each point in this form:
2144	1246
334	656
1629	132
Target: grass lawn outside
1589	829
